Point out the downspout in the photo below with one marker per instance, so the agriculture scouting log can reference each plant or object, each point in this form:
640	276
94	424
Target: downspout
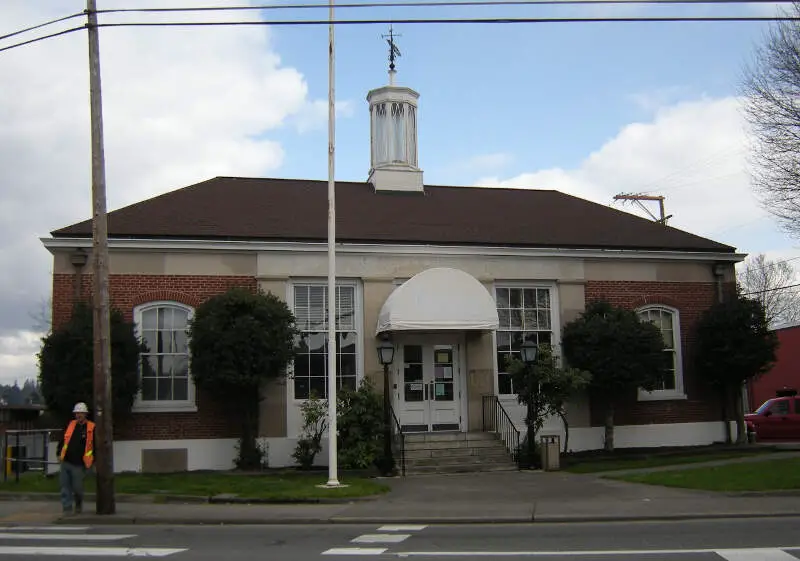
718	270
78	258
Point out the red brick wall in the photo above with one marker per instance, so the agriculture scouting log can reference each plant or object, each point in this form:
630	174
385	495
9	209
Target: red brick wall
690	299
128	291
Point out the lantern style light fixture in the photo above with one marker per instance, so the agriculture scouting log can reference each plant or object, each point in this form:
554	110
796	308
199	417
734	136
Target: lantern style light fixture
386	352
386	356
528	351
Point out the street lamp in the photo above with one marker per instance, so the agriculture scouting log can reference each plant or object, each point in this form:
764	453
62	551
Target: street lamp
528	351
386	356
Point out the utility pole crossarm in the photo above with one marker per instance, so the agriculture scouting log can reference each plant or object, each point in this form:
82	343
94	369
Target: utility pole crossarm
637	199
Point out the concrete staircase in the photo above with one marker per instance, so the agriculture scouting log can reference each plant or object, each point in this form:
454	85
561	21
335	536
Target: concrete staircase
456	452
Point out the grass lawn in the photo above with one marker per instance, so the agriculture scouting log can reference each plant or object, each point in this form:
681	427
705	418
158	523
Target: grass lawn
594	466
285	486
767	475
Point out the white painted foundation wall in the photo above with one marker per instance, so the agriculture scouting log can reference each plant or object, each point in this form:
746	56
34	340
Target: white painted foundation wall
219	454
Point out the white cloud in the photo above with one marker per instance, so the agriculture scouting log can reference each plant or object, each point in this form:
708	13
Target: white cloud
314	114
180	105
18	357
692	152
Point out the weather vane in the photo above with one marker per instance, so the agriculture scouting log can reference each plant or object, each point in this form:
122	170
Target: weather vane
394	52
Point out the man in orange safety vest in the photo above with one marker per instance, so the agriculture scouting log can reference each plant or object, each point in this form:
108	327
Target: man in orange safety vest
76	453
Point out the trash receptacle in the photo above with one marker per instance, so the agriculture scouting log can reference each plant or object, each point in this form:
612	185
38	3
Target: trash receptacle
551	452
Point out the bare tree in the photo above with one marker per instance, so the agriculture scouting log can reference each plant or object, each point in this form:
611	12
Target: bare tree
762	279
43	315
772	88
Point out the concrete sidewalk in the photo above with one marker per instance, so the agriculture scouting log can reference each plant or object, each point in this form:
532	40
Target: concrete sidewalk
500	497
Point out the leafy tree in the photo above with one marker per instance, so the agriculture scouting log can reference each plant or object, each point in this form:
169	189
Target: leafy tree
765	279
66	363
621	352
734	344
546	388
315	422
771	86
238	340
360	428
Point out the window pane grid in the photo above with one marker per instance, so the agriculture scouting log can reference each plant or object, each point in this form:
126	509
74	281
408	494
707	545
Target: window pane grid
525	315
164	365
311	360
665	320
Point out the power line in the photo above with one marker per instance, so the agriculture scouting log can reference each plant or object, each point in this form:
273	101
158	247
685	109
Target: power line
15	45
771	289
431	4
452	21
59	20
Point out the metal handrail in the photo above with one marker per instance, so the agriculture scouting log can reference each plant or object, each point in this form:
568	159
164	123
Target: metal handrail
496	419
398	430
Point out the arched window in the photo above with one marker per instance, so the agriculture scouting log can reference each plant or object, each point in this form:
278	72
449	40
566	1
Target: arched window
668	321
166	384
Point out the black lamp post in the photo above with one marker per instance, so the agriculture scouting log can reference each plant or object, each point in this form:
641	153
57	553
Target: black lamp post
386	356
528	351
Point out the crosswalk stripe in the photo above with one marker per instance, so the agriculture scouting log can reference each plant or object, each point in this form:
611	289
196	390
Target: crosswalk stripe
44	528
355	551
381	538
402	528
766	554
90	551
66	537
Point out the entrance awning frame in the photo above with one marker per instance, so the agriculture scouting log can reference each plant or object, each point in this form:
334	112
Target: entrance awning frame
439	299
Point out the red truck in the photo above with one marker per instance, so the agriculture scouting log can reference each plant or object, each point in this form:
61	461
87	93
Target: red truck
777	419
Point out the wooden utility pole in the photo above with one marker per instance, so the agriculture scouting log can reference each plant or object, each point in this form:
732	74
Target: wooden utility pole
638	200
104	437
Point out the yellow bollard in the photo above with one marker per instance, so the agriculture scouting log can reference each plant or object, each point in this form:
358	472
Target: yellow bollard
8	460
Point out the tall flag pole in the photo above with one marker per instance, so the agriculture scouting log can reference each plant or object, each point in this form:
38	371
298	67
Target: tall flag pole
333	479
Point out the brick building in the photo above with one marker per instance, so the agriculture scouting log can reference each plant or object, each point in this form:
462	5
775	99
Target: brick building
455	277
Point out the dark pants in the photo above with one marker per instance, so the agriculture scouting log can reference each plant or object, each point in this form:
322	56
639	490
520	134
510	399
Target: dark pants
71	478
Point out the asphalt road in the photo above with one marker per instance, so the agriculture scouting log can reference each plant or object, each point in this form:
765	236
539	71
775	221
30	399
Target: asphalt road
706	540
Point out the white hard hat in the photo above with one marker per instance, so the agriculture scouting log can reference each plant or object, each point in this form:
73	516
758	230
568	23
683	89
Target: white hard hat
80	408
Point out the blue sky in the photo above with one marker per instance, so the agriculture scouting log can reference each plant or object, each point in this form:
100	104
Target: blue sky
589	109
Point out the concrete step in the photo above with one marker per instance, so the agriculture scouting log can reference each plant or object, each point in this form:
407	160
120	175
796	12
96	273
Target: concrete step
463	461
456	452
451	444
488	451
462	468
449	436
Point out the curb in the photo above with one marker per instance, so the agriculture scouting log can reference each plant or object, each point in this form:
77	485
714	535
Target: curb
121	520
188	499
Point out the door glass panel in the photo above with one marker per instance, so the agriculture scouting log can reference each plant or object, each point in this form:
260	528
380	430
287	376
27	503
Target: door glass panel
413	385
443	373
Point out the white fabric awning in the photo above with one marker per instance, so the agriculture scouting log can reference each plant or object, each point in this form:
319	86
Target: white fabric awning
439	299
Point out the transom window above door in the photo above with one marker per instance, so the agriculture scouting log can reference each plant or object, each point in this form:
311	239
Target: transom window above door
525	314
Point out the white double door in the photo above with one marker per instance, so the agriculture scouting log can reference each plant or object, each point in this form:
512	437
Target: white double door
427	384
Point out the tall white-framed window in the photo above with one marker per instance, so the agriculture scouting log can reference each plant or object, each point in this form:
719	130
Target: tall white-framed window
667	319
165	380
309	301
526	313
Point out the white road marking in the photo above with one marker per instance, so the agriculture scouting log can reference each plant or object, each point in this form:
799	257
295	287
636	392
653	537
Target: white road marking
71	537
755	555
380	538
44	528
355	551
402	528
598	553
62	551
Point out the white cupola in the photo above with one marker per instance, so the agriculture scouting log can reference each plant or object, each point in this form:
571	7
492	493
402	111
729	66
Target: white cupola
394	162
